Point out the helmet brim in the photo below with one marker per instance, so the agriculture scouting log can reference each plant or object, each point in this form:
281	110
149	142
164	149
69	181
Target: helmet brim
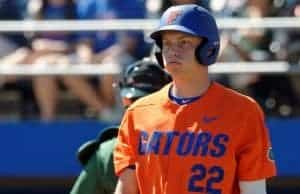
157	34
132	93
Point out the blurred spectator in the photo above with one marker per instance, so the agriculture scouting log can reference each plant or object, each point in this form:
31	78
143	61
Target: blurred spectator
293	45
99	44
168	3
226	8
51	48
108	47
288	40
11	42
14	49
275	93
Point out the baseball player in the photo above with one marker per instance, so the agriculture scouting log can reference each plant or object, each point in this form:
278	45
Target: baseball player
139	79
194	135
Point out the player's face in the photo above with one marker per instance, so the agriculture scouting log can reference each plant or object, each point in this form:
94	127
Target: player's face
178	52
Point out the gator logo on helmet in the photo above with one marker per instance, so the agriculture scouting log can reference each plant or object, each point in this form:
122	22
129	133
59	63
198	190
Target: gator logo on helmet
173	16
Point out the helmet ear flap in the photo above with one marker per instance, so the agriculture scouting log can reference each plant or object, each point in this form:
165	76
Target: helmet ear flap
206	52
159	58
157	52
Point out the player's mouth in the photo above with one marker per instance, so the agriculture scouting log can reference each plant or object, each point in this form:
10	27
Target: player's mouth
174	62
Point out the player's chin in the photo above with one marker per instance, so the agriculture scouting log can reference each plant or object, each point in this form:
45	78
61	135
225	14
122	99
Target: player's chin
173	68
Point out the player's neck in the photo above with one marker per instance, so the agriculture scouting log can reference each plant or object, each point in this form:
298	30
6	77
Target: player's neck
191	88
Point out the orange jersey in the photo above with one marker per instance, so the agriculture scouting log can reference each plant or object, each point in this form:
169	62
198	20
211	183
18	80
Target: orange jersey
207	146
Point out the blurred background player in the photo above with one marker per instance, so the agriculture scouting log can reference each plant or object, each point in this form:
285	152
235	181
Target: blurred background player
140	79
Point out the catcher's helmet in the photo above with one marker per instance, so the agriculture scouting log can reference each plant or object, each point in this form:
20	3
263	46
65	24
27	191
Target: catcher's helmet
142	78
197	21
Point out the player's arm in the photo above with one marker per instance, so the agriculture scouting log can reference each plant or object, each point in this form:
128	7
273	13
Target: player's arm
255	160
127	183
250	187
125	156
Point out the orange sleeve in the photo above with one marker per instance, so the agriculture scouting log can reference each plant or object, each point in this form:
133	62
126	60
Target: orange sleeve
254	156
124	152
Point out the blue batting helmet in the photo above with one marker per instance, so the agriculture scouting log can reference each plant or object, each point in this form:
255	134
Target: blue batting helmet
197	21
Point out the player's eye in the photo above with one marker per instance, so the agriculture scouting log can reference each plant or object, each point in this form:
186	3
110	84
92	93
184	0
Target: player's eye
166	43
184	43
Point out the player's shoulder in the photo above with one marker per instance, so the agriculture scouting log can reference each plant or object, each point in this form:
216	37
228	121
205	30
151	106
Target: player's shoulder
156	98
108	133
237	98
106	148
108	145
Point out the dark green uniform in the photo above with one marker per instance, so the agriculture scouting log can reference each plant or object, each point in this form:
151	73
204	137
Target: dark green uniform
98	176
